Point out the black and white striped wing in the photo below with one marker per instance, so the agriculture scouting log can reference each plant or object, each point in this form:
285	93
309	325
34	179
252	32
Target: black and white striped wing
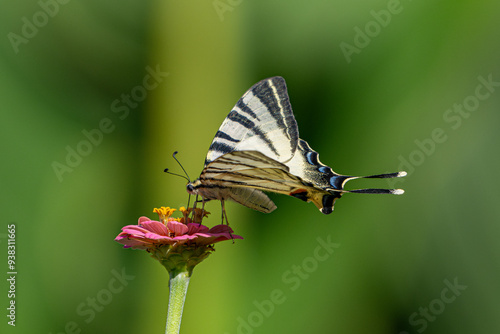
304	177
262	120
252	169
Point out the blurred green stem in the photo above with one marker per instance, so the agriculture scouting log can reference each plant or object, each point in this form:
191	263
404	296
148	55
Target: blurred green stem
179	281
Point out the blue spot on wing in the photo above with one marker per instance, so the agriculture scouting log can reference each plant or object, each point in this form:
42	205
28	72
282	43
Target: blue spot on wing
325	169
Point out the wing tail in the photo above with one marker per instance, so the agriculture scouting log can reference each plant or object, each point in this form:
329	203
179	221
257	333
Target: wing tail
341	180
326	202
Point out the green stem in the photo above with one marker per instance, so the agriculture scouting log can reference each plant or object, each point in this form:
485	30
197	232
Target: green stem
179	282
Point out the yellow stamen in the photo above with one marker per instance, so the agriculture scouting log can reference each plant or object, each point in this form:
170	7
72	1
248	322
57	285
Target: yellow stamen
164	213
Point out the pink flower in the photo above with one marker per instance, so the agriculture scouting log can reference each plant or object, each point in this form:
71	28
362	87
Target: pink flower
150	234
177	243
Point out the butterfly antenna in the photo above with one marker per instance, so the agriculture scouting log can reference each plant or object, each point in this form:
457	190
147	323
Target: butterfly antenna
187	175
184	177
169	172
372	190
173	155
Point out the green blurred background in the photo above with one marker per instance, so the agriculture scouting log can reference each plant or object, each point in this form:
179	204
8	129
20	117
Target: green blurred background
365	100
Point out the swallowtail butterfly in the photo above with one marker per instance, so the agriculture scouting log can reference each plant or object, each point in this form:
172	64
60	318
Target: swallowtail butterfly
257	148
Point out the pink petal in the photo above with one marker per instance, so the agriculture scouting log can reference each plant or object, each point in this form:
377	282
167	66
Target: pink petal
134	229
184	237
204	235
217	237
196	228
121	236
177	227
127	242
155	236
143	219
233	236
221	229
156	227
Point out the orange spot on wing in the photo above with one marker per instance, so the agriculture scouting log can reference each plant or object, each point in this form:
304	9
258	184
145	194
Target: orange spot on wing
298	191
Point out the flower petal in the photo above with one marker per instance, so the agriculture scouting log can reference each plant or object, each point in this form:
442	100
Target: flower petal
134	229
156	236
143	219
156	227
196	228
177	227
151	235
133	243
221	229
121	236
224	237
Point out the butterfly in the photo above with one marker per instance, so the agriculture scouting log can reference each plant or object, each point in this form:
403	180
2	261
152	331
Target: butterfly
257	149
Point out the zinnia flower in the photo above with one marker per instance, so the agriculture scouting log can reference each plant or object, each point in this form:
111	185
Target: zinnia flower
179	244
170	238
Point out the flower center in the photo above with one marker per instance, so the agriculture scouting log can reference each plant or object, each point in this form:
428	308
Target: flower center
164	213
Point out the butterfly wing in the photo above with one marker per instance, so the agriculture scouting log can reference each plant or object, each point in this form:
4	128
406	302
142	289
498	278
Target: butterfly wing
261	120
252	169
249	197
303	177
227	178
328	185
249	169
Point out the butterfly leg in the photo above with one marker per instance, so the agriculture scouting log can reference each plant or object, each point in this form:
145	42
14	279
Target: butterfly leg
202	209
193	214
222	211
224	214
194	208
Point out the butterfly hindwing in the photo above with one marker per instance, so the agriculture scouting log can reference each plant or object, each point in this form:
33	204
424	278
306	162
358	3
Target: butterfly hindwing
307	166
225	178
255	170
249	169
